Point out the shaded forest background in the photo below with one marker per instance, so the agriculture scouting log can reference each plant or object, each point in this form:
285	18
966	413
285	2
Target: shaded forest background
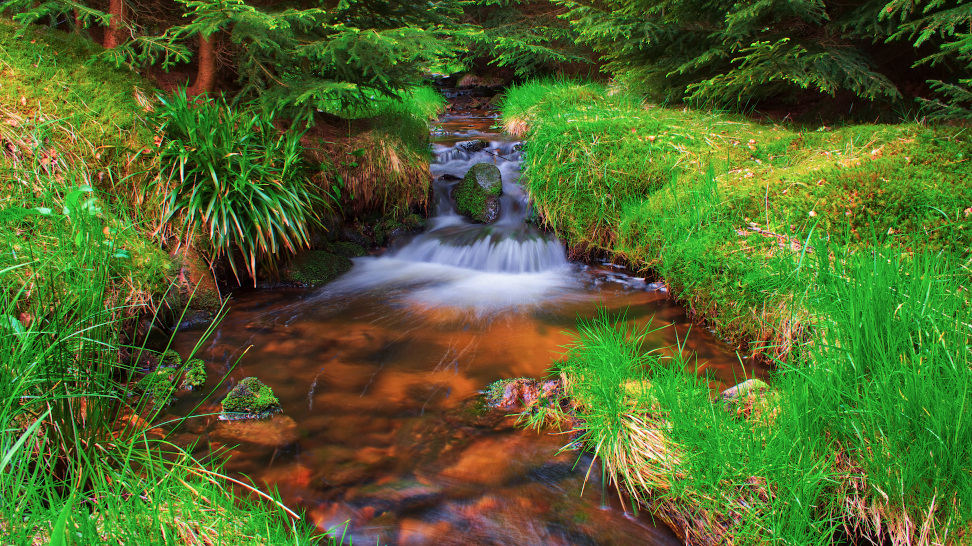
901	58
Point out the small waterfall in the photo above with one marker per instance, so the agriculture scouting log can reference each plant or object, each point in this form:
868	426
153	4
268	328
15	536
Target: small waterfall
459	263
509	245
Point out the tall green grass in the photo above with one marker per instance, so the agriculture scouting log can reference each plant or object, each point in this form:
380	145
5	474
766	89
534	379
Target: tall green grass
721	206
230	175
840	252
867	436
79	461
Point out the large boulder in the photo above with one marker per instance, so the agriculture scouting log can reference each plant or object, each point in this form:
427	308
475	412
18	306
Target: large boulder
477	194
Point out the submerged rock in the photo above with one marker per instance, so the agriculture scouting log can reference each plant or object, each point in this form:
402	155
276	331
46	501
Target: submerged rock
477	194
277	431
521	393
250	399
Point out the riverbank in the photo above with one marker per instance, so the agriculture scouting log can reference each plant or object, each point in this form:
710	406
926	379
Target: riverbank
726	209
840	254
95	271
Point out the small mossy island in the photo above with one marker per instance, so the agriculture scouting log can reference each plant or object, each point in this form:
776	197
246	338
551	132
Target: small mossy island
798	174
250	399
477	194
195	375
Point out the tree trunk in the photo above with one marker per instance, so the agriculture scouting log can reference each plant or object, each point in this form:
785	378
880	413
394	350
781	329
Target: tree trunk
115	34
206	76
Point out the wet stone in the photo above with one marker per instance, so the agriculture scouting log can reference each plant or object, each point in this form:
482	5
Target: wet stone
279	430
472	145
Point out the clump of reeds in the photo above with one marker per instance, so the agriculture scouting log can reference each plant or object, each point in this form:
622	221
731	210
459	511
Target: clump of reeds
381	163
79	460
867	436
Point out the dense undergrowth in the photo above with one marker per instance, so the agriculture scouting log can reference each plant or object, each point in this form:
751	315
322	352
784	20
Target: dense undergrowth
105	182
843	250
721	206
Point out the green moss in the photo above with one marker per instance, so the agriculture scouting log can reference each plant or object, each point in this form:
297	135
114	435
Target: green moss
346	249
315	267
495	391
196	375
159	385
609	174
250	399
170	359
49	73
476	195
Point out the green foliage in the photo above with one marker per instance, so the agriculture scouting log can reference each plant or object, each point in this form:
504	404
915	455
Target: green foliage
53	98
940	23
76	452
735	54
299	61
722	207
250	399
869	427
229	173
528	36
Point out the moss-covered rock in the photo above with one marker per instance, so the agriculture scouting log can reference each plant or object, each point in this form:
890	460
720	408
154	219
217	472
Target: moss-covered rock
314	267
195	377
170	359
477	194
159	385
346	249
250	399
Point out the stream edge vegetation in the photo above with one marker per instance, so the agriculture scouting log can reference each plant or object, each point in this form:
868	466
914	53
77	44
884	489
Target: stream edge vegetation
839	254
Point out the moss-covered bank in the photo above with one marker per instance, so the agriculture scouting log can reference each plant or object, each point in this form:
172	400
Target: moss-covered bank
843	252
725	209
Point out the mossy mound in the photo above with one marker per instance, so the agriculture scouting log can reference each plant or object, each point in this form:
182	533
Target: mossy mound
347	249
196	375
250	399
314	267
170	359
477	194
159	385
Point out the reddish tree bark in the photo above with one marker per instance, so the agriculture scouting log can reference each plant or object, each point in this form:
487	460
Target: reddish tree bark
206	75
115	34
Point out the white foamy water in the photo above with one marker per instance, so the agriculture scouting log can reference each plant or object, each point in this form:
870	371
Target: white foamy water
458	263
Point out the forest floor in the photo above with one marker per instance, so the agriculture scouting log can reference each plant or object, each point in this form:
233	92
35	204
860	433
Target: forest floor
837	254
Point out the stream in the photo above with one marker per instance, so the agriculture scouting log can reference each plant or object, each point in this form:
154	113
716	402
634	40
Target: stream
378	373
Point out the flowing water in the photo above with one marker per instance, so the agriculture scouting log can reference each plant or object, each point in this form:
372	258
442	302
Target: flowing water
378	374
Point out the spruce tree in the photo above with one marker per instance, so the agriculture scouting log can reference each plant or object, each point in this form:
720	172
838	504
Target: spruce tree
735	53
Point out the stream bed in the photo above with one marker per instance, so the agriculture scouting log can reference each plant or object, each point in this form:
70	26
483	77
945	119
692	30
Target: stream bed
378	374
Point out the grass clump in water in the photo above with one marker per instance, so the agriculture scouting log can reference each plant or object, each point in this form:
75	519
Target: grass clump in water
866	435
